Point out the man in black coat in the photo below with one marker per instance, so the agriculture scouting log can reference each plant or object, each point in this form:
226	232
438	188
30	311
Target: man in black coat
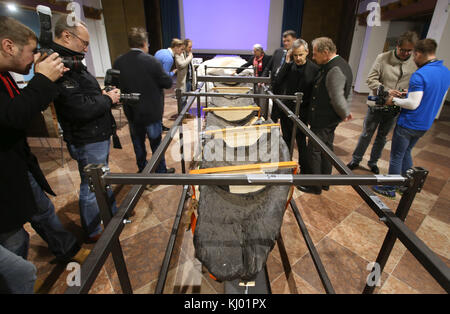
144	74
330	104
274	66
22	183
297	75
84	113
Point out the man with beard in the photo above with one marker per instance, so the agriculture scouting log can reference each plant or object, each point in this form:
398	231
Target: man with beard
392	69
427	89
84	112
22	183
297	75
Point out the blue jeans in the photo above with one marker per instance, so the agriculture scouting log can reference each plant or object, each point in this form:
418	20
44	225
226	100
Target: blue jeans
138	134
384	121
61	243
184	98
403	142
17	275
93	153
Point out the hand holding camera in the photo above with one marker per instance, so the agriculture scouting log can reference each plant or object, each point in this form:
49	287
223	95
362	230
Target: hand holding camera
51	66
114	94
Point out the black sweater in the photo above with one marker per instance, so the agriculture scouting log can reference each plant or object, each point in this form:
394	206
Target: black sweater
298	79
16	197
83	111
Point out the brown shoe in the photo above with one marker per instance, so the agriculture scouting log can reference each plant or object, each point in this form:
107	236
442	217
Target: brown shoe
94	239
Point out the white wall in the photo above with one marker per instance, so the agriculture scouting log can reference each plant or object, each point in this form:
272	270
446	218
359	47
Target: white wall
356	50
97	59
373	45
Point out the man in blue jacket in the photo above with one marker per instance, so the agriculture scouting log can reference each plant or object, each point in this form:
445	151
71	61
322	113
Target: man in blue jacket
427	88
166	57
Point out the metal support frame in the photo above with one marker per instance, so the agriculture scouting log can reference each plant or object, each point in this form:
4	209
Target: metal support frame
97	185
429	260
397	228
298	102
417	176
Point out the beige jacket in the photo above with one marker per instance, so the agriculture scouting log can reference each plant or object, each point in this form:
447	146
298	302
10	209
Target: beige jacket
391	72
182	62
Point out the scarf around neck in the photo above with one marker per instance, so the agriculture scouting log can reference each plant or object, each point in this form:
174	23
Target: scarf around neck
257	63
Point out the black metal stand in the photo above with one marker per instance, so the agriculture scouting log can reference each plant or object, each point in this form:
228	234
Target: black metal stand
417	178
95	173
109	242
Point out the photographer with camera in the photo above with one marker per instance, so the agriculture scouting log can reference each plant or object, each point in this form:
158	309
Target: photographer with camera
427	89
142	73
84	112
22	183
392	70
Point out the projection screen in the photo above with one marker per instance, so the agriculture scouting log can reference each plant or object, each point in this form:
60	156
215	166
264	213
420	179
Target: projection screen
232	26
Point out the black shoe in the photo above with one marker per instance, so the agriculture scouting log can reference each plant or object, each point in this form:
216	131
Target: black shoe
352	165
309	189
165	129
374	169
325	187
171	170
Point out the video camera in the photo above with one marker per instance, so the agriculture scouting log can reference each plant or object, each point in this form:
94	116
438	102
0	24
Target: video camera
46	39
112	79
380	100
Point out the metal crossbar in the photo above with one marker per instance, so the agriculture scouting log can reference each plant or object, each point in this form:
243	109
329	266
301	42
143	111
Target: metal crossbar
395	222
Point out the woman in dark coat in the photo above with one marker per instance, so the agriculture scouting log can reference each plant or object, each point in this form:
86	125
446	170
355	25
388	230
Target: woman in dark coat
259	61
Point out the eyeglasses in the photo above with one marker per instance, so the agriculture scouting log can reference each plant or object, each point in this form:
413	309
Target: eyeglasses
84	42
407	51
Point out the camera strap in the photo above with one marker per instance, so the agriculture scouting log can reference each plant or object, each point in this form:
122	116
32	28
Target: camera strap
7	82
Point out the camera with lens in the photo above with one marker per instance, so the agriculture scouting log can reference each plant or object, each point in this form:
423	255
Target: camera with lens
380	100
46	39
112	80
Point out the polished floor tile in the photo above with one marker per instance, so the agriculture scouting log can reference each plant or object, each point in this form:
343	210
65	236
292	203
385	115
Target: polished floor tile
346	231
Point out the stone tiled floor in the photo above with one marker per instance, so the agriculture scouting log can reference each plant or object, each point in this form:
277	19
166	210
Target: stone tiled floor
346	232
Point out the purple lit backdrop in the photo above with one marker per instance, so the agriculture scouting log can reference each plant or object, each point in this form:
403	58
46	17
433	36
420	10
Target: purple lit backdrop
226	25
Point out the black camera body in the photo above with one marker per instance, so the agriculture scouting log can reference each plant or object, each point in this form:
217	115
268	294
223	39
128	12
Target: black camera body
112	80
46	39
380	100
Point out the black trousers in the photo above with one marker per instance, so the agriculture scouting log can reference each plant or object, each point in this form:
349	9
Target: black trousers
317	161
286	127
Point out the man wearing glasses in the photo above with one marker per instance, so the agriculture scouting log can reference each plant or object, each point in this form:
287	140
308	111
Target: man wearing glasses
84	113
392	69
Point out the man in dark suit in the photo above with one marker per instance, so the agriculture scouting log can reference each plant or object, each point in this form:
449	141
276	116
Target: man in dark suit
144	74
22	183
274	65
297	75
330	104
